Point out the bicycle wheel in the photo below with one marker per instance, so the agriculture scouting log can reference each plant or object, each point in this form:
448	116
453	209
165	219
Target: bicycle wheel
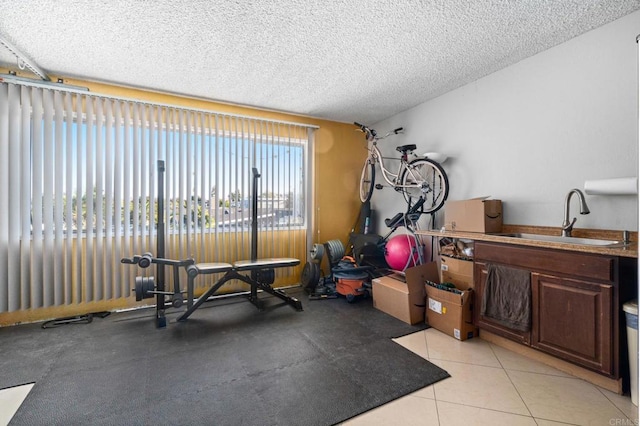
367	181
425	178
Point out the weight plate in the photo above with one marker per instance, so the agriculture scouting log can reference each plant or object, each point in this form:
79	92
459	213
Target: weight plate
138	288
315	274
331	251
148	287
266	276
144	287
310	276
305	279
335	250
317	252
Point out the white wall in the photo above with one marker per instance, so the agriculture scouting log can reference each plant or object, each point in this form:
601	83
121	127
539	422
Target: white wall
529	133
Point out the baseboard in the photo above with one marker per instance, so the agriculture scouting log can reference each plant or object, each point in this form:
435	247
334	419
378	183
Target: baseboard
613	385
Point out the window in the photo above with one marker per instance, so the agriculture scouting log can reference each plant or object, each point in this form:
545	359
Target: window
80	183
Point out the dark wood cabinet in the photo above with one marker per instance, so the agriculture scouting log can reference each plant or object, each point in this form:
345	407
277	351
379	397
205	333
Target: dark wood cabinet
572	319
480	278
576	302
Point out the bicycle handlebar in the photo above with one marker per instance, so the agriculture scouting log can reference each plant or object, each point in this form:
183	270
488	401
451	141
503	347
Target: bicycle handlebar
371	134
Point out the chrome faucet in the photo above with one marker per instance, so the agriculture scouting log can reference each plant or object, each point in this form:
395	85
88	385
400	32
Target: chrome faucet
567	226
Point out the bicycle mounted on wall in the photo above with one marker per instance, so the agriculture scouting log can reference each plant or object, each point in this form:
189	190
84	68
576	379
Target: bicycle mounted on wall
419	179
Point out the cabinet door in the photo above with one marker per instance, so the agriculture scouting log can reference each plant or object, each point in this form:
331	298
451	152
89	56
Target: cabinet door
572	319
484	323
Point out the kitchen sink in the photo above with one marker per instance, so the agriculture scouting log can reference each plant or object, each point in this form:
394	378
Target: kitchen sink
565	240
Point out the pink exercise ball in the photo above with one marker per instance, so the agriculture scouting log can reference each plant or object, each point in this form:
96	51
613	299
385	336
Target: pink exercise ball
399	252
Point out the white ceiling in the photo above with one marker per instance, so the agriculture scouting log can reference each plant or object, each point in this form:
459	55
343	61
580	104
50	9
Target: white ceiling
342	60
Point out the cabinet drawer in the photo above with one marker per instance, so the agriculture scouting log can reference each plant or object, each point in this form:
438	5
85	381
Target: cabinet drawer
584	265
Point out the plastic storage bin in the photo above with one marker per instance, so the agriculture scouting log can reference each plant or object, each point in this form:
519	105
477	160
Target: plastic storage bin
631	315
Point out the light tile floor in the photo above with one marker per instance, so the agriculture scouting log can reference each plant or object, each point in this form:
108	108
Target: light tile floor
490	385
10	401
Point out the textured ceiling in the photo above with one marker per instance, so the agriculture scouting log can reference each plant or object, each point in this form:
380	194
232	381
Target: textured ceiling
342	60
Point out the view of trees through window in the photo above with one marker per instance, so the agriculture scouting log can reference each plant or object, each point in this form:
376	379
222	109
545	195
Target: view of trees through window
208	190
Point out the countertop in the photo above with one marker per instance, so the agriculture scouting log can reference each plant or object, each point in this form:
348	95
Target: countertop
630	250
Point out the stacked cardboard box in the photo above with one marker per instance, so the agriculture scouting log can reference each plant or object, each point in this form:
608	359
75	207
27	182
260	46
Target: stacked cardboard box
449	312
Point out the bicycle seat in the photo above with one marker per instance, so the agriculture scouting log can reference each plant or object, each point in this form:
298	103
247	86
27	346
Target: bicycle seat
406	148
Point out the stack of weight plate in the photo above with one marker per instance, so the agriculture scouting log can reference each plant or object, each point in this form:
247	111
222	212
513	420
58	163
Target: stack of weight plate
312	271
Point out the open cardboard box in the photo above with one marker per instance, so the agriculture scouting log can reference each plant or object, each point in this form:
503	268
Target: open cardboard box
446	311
456	271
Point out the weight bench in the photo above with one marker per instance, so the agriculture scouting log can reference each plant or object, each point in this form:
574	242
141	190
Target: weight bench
262	275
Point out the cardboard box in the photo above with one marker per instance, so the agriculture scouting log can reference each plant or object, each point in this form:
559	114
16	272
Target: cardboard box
449	312
401	296
457	271
475	215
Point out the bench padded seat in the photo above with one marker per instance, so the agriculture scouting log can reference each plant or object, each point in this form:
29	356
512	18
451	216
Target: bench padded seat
213	268
276	262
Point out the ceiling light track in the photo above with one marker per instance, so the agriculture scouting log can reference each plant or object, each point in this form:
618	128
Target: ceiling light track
23	61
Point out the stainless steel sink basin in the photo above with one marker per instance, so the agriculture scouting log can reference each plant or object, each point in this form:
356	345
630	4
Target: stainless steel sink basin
565	240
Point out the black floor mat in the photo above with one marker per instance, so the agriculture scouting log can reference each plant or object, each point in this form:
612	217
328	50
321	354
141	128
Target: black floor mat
228	364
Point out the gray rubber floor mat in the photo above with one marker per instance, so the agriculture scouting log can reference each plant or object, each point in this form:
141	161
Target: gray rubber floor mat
228	364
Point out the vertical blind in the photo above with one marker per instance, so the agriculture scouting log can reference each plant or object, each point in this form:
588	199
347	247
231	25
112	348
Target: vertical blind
78	190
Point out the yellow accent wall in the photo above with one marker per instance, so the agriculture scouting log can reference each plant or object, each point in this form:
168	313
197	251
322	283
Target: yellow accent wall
339	152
